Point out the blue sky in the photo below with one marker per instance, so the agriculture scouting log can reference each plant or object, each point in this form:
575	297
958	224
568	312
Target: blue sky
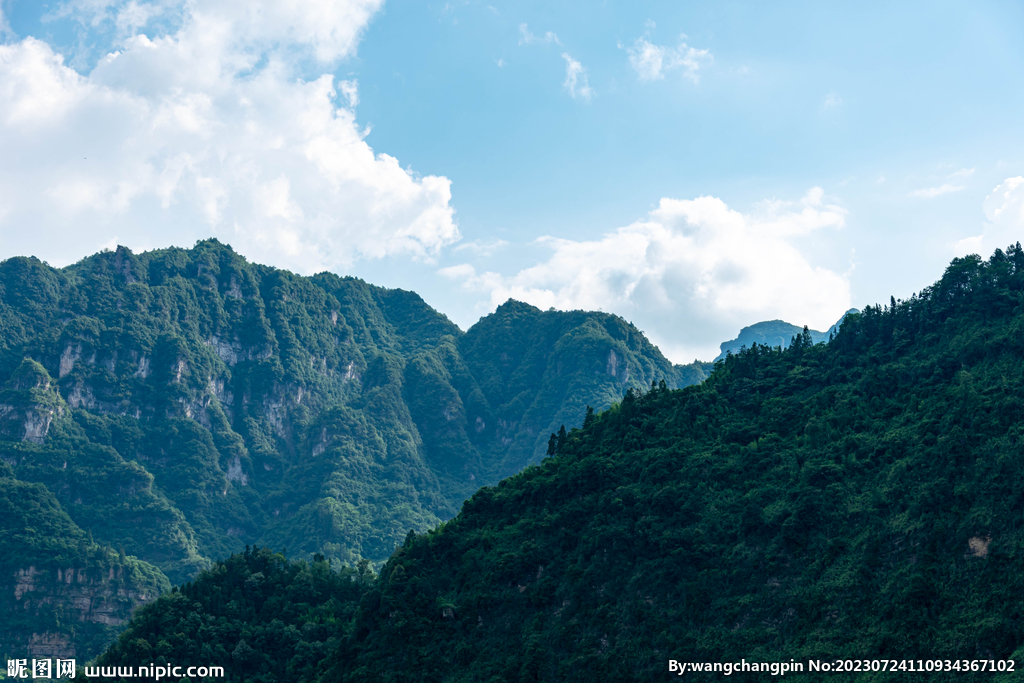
694	167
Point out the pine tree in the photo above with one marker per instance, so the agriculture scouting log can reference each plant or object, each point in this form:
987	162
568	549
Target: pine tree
562	436
587	420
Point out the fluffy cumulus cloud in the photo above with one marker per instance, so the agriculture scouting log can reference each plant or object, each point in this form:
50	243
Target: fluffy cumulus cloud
1004	225
651	61
690	275
220	125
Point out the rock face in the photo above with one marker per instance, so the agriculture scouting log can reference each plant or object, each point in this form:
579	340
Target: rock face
29	402
87	597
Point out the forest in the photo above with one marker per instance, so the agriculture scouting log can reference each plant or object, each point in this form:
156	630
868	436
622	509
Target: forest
856	498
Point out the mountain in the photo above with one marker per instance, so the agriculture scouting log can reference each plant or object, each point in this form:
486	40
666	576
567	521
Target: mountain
858	500
775	333
855	500
180	404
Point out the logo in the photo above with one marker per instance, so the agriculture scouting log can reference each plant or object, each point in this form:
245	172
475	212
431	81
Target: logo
41	668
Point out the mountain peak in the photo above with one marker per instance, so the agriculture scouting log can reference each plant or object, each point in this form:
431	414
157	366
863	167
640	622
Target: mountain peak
775	333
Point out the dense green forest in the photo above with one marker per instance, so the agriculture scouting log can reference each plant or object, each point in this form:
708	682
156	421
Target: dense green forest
262	617
856	499
180	404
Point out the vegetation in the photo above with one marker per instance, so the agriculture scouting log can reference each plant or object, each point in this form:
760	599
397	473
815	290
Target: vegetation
261	617
57	580
859	499
181	404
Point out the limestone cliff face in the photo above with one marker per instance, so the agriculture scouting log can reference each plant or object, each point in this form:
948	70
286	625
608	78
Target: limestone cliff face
29	403
28	423
70	607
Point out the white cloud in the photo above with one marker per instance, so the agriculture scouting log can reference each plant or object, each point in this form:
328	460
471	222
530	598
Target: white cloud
575	75
968	245
482	248
328	30
651	61
945	188
932	192
350	89
208	130
526	37
691	274
576	79
1004	211
831	100
1005	204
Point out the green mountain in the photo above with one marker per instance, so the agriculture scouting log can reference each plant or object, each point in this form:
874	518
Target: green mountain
856	500
180	404
775	333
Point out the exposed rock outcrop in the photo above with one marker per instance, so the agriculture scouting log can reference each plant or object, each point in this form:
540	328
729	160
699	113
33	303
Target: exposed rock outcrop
91	599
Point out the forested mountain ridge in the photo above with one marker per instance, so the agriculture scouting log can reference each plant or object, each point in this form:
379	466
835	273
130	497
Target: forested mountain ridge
859	499
181	403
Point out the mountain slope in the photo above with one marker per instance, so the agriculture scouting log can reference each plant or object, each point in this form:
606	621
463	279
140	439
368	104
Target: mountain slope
539	370
60	592
855	500
183	403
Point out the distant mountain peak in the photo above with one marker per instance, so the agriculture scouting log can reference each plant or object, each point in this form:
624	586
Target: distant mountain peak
775	333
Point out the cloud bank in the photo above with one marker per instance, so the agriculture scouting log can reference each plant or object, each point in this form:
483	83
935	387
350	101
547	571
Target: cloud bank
690	275
209	128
